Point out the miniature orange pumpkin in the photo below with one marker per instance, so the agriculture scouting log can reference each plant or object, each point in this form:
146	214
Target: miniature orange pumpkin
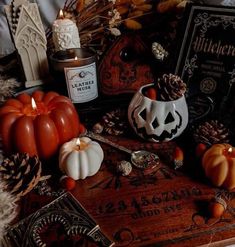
219	165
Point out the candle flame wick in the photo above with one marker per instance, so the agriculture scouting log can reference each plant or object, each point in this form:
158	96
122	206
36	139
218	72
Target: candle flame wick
61	14
230	150
76	58
78	143
34	106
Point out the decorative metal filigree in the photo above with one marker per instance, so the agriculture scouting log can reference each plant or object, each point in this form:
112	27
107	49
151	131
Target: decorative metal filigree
226	97
205	21
65	211
191	65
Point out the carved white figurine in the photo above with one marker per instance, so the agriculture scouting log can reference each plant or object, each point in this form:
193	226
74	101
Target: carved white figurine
30	41
65	34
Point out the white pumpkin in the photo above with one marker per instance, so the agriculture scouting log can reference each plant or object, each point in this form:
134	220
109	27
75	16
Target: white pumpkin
80	160
157	120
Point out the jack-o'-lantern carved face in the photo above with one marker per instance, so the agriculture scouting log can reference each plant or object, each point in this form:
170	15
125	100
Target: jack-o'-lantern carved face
157	120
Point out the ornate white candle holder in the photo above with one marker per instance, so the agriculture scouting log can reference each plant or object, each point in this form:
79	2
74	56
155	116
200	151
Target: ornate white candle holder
65	34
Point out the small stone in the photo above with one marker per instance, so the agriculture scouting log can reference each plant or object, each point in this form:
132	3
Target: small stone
98	128
124	168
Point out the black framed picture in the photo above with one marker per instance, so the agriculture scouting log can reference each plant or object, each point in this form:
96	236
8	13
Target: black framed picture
206	60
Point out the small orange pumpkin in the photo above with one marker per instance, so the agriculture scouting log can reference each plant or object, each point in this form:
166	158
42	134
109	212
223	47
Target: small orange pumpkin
219	165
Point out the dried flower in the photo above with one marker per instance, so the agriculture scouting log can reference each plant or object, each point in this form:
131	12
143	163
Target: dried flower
130	10
168	5
96	20
115	18
158	51
132	24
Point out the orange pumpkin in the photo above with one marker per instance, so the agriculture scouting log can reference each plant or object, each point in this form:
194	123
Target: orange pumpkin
219	165
41	130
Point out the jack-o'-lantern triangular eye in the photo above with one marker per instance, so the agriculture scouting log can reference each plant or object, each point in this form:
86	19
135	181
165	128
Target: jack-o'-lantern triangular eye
143	114
155	123
169	118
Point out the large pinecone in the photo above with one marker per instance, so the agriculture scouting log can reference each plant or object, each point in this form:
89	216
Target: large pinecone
112	123
211	132
20	173
170	87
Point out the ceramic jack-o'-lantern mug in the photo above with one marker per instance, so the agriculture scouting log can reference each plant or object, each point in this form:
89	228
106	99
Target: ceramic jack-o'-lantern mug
155	120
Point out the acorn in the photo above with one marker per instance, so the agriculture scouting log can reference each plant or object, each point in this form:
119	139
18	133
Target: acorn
217	206
178	156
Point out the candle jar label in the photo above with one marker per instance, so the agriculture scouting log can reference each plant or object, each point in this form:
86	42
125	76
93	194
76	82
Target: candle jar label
82	83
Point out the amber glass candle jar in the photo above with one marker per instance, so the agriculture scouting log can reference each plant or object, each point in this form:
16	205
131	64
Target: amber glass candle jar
77	67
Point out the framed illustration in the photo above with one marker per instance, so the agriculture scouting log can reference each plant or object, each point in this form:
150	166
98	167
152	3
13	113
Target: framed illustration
206	60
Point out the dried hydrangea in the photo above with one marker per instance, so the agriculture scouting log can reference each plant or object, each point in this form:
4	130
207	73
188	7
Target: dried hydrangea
158	51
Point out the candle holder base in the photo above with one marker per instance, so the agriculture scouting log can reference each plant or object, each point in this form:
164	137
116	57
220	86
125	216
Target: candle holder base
44	82
33	83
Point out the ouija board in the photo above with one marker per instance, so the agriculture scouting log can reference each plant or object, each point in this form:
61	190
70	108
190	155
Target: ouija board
165	207
160	207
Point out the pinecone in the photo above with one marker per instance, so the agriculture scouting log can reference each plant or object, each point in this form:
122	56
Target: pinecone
211	132
170	87
112	123
21	173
